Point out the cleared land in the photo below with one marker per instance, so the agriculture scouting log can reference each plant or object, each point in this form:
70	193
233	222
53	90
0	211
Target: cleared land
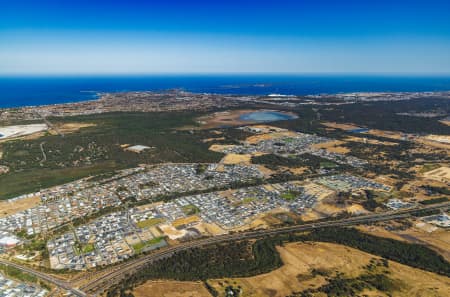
369	141
11	207
438	240
272	135
441	174
171	289
8	132
301	258
332	146
72	127
236	159
340	126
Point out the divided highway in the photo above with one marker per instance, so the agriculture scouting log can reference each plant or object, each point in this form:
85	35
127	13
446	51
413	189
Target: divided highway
46	277
121	271
101	281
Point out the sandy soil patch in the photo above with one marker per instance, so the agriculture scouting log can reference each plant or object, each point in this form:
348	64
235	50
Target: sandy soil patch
311	215
356	209
328	209
220	147
369	141
332	146
385	179
185	221
439	138
236	159
438	240
172	232
380	232
11	207
171	289
266	171
340	126
10	132
267	136
213	139
213	229
3	169
300	258
436	141
268	129
441	174
298	170
387	134
445	122
73	127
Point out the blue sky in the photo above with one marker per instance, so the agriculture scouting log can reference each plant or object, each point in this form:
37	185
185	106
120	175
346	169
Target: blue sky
315	36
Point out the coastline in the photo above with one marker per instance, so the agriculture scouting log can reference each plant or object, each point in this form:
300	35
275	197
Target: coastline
39	91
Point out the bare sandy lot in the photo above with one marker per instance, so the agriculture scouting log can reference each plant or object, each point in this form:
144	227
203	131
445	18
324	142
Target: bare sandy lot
347	126
236	159
369	141
435	141
439	240
171	289
73	127
441	174
9	132
213	139
300	258
445	122
387	134
332	146
12	207
220	147
272	135
439	138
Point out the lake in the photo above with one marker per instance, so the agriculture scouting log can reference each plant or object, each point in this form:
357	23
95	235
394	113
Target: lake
266	116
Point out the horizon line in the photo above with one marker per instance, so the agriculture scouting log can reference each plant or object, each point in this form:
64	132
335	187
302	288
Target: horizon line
135	74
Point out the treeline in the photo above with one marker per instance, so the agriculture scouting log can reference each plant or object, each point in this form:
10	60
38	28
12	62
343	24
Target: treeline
383	115
235	259
414	255
239	259
349	287
434	201
102	142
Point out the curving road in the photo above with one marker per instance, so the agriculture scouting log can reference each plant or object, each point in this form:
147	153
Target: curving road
101	281
46	277
116	274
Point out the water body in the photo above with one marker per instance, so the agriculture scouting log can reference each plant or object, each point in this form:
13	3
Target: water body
22	91
266	116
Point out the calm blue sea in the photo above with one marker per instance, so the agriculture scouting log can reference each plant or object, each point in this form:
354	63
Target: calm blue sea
21	91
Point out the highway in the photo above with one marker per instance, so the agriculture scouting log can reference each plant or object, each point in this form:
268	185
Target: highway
101	282
46	277
97	282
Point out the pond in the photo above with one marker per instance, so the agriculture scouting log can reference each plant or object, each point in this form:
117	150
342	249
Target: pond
266	116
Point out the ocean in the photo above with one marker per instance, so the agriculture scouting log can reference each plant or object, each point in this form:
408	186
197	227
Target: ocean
25	91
